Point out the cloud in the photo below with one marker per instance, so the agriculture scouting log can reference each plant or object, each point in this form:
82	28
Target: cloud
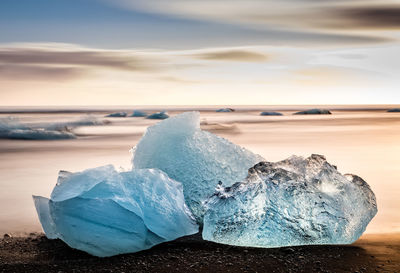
233	55
373	17
23	73
66	62
309	16
77	57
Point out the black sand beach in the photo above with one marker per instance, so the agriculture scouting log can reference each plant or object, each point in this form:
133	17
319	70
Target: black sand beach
371	253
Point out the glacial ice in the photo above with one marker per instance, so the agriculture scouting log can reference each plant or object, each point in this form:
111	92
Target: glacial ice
296	201
117	115
197	159
225	110
138	113
315	111
271	114
12	128
159	115
39	134
105	212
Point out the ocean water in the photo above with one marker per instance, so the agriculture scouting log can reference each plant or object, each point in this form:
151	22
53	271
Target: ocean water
362	140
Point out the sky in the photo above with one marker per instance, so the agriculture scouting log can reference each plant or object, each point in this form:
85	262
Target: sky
199	52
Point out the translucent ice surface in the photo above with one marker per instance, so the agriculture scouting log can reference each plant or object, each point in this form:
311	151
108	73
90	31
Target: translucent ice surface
292	202
197	159
105	212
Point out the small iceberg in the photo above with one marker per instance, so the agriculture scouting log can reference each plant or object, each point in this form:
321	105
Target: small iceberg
315	111
159	115
394	110
117	115
38	134
271	114
12	128
104	212
297	201
196	158
138	113
225	110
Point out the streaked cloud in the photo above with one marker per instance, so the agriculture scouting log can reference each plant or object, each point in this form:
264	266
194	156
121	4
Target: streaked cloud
73	74
233	55
76	56
369	17
13	72
308	16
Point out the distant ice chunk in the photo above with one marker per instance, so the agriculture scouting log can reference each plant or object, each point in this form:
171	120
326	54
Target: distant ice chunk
196	158
315	111
117	115
11	123
12	128
296	201
138	113
225	110
159	115
39	134
270	114
105	212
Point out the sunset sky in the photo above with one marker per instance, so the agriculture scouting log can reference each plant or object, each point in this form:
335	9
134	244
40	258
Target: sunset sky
199	52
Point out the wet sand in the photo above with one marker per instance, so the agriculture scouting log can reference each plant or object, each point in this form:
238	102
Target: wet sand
371	253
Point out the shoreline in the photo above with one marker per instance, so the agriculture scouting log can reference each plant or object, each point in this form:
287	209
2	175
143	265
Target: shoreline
371	253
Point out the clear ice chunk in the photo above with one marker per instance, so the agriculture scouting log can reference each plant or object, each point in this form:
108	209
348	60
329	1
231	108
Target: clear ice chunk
117	115
196	158
138	113
105	212
12	128
158	115
296	201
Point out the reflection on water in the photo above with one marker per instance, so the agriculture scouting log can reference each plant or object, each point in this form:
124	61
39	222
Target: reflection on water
366	143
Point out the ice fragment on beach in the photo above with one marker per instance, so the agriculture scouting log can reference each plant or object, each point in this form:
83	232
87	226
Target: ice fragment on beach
292	202
225	110
138	113
315	111
271	114
196	158
159	115
105	212
12	128
117	115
